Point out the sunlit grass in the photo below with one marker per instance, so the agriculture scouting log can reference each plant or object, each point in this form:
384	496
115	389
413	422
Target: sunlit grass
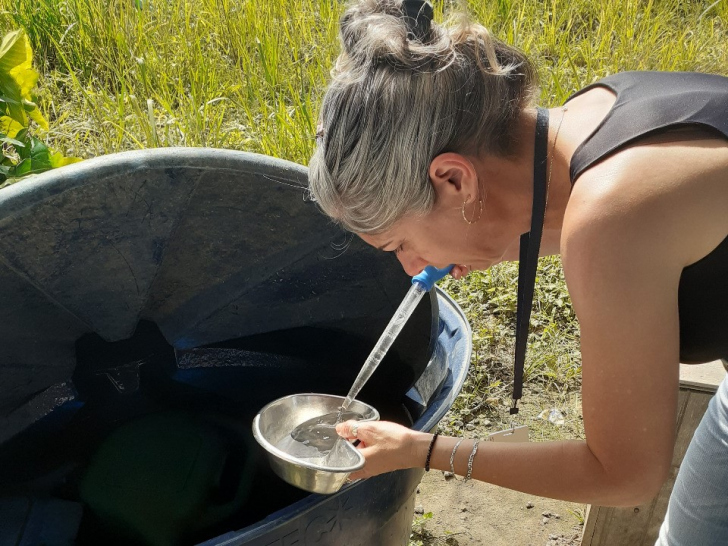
248	75
224	73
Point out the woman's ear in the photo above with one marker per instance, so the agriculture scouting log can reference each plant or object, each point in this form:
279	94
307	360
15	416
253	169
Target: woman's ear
453	176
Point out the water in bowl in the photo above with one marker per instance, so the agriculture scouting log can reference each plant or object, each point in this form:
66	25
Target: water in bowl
313	440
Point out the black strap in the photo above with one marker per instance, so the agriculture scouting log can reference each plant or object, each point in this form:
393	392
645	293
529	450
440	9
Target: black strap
528	259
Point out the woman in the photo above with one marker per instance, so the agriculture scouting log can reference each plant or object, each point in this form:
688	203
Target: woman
426	149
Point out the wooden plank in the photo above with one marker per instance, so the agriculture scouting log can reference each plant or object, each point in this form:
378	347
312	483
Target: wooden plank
627	525
702	376
610	526
594	525
590	524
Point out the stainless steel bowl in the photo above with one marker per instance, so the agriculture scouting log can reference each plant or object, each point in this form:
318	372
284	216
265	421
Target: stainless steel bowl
276	421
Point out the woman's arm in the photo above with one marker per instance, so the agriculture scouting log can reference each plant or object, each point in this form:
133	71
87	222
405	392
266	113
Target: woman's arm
565	470
623	278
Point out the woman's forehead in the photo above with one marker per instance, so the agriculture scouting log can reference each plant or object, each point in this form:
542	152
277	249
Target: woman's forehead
380	240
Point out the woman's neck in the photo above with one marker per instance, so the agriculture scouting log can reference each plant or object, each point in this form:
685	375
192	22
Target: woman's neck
510	187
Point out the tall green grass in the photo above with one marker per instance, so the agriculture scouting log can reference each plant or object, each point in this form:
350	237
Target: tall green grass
248	75
221	73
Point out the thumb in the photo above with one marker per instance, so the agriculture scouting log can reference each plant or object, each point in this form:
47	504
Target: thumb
351	430
460	271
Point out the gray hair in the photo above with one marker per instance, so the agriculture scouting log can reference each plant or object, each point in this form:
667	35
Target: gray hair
401	95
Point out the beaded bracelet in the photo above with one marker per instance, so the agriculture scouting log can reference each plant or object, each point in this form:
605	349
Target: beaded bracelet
470	459
429	451
452	457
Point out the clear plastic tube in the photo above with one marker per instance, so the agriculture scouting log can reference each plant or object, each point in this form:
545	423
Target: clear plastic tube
397	322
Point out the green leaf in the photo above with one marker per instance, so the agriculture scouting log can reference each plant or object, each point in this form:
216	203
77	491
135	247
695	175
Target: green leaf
23	137
40	156
33	112
21	169
59	160
17	76
8	140
16	58
9	126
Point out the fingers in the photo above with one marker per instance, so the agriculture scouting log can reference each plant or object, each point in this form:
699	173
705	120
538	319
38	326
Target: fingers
360	475
349	429
460	271
385	446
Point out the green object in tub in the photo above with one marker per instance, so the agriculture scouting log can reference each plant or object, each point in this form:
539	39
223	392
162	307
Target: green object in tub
165	475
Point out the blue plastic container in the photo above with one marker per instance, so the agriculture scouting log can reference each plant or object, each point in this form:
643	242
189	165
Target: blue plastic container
202	281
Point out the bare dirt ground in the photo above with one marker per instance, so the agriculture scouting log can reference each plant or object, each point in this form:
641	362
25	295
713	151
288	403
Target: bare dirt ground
457	513
475	513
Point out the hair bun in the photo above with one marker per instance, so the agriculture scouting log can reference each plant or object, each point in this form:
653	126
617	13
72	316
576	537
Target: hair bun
398	33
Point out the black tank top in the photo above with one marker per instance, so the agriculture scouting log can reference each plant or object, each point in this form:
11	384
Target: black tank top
647	103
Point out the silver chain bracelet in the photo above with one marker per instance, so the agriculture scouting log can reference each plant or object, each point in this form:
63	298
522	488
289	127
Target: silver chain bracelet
470	459
452	457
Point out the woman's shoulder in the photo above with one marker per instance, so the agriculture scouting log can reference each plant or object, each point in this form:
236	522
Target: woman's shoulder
670	191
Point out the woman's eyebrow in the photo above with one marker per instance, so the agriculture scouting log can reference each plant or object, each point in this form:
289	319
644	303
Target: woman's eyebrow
384	245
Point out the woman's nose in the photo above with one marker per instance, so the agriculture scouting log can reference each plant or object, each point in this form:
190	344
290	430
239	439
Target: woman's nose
411	264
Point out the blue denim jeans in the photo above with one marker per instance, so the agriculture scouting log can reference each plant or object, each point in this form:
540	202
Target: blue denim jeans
697	514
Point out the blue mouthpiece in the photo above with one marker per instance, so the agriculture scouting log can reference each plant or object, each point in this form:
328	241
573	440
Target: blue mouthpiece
431	275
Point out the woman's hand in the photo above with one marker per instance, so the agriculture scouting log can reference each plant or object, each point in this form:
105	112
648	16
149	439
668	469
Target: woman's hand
460	271
386	446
